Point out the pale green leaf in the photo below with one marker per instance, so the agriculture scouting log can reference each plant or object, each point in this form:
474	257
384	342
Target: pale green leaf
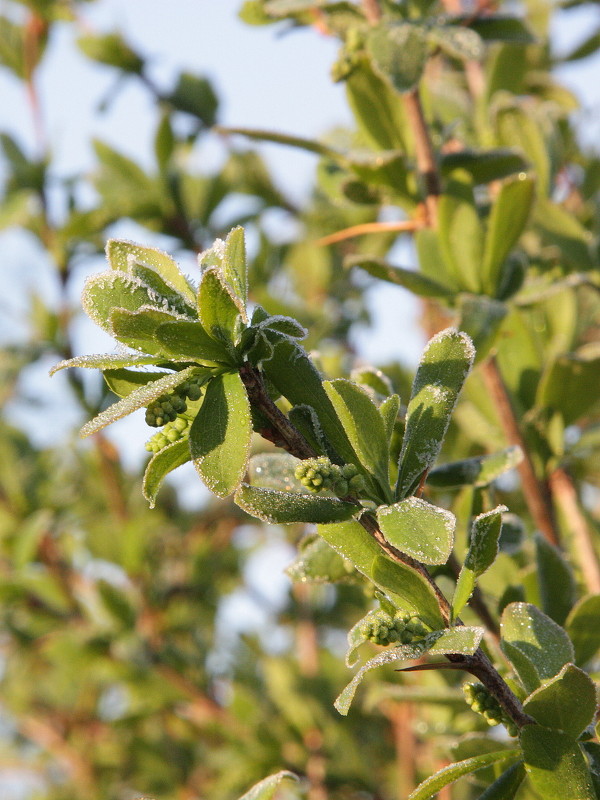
137	329
415	282
444	367
583	628
108	361
125	381
235	268
553	571
567	702
389	414
265	789
461	237
478	471
481	318
418	528
458	42
270	505
398	53
163	462
121	254
317	562
483	543
556	766
109	290
220	434
430	787
137	399
185	339
218	308
510	212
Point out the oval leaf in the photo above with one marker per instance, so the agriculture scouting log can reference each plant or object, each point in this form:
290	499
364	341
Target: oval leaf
566	703
416	527
169	458
556	766
287	507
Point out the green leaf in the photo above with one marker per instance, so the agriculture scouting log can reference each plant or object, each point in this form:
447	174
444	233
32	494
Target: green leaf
416	527
110	290
195	95
270	505
569	385
137	399
481	318
111	49
318	562
293	374
457	42
483	549
567	702
108	361
159	466
406	587
235	267
444	367
398	53
138	329
478	471
583	629
220	434
461	236
556	766
537	647
364	427
415	282
125	381
507	785
518	129
389	414
218	308
510	212
186	339
553	571
283	138
497	27
484	166
562	229
430	787
265	789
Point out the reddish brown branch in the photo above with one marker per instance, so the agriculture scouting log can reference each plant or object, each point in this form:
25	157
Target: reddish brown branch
426	161
535	492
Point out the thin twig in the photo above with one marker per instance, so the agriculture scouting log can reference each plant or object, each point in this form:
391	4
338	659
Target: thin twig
535	492
564	492
407	225
426	161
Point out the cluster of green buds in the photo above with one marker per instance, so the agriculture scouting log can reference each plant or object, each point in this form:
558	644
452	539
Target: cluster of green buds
166	408
172	432
483	702
384	629
318	474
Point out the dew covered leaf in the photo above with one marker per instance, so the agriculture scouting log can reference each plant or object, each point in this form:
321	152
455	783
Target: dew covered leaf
537	647
424	531
270	505
137	399
108	361
235	268
478	471
453	640
123	382
218	308
398	53
185	339
444	367
265	789
430	787
122	254
555	764
363	425
567	702
109	290
220	434
137	329
275	471
483	549
166	460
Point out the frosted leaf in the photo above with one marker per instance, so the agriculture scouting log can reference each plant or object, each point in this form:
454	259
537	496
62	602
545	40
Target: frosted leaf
265	789
424	531
123	255
138	399
107	361
270	505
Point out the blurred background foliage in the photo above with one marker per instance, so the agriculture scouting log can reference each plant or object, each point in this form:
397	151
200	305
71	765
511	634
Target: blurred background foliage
154	652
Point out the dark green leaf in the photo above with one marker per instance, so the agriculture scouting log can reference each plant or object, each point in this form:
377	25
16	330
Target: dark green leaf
478	471
195	95
163	462
444	367
220	434
582	626
138	329
507	785
484	166
111	49
556	766
183	339
125	381
567	702
218	308
553	571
